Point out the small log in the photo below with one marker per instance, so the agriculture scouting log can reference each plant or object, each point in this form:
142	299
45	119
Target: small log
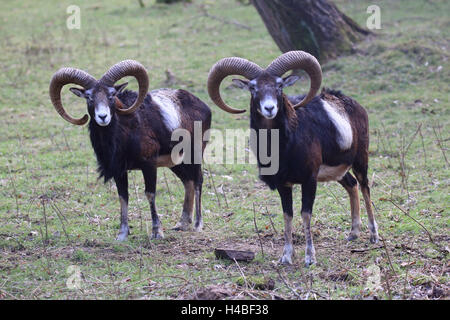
237	255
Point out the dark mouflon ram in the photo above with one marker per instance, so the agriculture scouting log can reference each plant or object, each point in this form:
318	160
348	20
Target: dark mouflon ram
132	131
320	137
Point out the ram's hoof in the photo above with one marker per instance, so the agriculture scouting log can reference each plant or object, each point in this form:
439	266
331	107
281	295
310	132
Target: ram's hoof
374	238
123	236
182	227
309	260
199	227
286	260
157	234
352	237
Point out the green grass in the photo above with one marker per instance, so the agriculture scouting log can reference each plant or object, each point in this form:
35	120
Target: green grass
401	76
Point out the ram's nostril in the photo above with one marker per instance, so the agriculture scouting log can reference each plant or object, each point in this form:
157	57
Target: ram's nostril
102	116
269	109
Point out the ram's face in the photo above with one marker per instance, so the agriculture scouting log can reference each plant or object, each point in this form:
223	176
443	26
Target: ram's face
267	93
100	102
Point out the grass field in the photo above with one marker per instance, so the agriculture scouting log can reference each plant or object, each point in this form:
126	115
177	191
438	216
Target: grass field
54	213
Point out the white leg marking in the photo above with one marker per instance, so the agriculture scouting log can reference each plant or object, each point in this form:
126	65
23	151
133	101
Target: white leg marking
288	250
124	229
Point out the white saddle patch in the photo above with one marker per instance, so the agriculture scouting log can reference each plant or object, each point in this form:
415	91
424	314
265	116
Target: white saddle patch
168	107
327	173
343	127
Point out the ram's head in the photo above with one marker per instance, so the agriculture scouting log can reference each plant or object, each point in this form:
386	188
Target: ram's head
100	95
265	85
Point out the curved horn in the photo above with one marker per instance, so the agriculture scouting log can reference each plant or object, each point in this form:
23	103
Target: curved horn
128	68
65	76
226	67
299	60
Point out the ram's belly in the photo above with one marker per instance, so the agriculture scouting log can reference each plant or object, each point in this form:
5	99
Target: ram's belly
169	160
328	173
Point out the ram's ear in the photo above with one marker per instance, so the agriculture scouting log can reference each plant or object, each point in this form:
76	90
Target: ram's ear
119	88
240	83
290	80
78	92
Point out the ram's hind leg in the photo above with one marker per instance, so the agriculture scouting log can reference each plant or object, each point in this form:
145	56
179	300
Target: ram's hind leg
361	175
308	196
351	186
186	174
122	190
150	192
198	182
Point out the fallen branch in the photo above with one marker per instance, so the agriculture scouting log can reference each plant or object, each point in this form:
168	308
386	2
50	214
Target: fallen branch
365	250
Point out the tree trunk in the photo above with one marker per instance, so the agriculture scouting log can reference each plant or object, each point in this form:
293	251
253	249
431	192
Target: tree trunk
314	26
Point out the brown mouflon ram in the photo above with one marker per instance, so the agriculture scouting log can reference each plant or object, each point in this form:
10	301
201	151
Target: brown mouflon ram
320	137
132	131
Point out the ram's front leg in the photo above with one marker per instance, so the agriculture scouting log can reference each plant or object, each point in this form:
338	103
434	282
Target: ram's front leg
286	203
150	192
308	196
122	190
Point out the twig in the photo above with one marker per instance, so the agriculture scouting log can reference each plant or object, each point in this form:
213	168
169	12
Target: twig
65	140
388	285
388	143
365	249
45	220
406	276
112	280
87	174
44	243
408	215
439	143
59	211
423	148
335	197
233	22
59	214
242	273
271	222
256	230
388	255
288	286
16	196
225	196
402	157
167	185
214	185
